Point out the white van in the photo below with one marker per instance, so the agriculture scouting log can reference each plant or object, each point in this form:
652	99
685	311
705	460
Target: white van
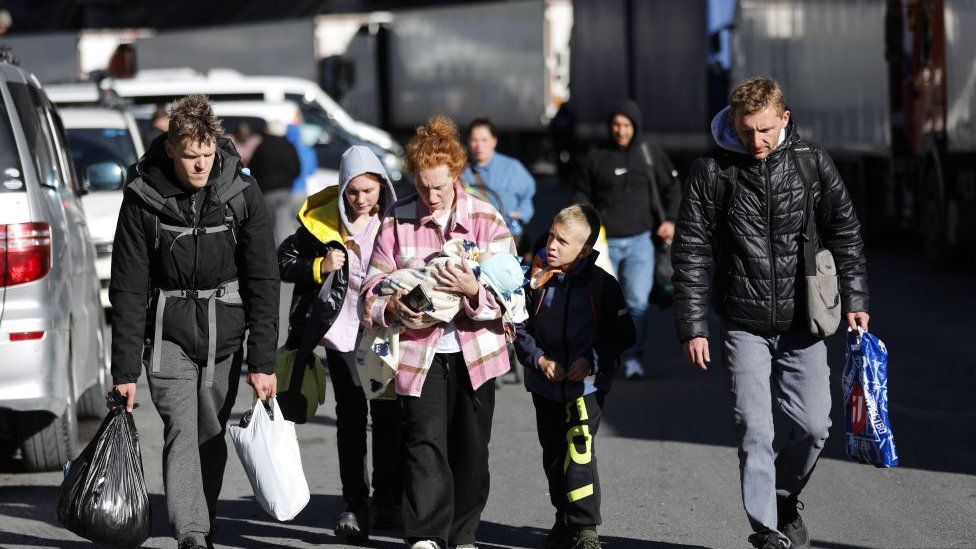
162	86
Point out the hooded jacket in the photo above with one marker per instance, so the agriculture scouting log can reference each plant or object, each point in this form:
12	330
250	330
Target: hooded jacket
146	259
567	322
617	182
324	226
754	237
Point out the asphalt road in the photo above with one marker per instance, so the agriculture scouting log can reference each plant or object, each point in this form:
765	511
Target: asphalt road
667	461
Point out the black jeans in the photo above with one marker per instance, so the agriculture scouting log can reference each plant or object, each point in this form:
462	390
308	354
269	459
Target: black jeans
566	432
351	437
446	431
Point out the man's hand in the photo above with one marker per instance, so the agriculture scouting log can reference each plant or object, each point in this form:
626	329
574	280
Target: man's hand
696	352
665	231
265	385
127	390
580	368
456	279
334	260
858	318
553	370
398	310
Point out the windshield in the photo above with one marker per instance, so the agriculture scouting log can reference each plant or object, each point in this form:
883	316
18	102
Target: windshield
93	145
10	172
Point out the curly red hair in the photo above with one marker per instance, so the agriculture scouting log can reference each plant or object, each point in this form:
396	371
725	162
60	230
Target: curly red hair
436	144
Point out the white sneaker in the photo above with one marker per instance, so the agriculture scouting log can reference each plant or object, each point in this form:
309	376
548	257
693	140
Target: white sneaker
634	369
425	544
467	546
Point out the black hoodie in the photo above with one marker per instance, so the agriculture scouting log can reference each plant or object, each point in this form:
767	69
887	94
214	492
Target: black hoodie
145	259
618	181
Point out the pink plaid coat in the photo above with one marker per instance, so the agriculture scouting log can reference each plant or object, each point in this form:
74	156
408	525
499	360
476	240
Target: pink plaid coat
410	237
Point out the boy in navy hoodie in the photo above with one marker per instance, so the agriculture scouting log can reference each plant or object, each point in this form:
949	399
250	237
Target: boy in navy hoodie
578	326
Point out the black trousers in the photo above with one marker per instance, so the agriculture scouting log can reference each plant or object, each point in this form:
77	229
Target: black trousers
566	432
351	437
446	434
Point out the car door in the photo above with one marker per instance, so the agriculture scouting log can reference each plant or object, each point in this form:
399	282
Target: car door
86	315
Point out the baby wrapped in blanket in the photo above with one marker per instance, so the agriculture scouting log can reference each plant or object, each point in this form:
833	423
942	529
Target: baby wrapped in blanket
501	274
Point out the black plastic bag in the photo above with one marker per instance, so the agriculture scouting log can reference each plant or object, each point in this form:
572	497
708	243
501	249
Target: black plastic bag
103	497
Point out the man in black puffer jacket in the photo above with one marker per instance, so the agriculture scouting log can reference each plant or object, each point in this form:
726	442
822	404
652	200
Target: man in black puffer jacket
776	368
193	268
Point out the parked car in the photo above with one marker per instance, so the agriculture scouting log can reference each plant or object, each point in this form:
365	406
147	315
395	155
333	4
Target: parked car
104	142
52	356
160	87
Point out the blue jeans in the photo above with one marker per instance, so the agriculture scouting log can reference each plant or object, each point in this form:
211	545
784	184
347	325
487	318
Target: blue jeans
633	260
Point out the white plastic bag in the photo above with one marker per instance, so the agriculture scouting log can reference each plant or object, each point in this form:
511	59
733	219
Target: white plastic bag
268	448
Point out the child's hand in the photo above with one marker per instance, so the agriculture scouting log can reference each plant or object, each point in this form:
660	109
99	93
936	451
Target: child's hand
553	370
334	260
581	368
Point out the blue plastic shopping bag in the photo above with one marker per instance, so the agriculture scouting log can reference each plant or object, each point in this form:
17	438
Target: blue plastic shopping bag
869	436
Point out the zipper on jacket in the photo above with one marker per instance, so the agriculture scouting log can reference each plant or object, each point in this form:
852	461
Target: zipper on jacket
769	242
569	291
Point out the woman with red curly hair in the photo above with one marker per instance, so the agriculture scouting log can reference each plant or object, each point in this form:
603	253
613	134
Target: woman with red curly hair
445	372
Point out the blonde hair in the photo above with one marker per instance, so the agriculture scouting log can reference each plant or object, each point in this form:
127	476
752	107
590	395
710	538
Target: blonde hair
192	119
756	94
582	217
436	144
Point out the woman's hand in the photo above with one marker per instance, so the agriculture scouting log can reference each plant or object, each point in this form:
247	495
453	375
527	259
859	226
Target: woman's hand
457	279
397	309
334	260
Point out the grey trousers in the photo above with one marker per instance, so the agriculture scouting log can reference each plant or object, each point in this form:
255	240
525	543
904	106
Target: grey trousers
194	451
780	393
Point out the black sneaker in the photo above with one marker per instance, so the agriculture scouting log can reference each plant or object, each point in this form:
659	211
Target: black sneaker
766	540
352	526
561	535
190	543
791	523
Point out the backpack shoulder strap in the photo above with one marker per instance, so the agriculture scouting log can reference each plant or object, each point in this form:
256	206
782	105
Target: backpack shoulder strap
728	174
808	167
237	207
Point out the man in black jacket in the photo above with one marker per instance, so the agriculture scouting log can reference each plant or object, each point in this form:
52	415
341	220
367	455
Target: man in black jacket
618	178
193	268
776	368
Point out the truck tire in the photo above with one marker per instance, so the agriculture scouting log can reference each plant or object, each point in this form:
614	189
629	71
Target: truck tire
48	441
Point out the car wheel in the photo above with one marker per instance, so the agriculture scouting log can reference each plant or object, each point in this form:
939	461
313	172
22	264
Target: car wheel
91	405
48	441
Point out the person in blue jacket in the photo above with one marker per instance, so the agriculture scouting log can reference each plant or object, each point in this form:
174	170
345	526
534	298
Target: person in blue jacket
578	327
499	180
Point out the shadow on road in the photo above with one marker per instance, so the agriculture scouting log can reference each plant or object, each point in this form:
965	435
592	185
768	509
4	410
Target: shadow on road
925	316
492	535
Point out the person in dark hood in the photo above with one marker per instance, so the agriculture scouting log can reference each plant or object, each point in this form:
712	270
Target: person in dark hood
193	268
327	259
276	165
777	371
634	187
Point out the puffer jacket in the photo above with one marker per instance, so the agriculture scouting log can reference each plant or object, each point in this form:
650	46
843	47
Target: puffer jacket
755	237
323	222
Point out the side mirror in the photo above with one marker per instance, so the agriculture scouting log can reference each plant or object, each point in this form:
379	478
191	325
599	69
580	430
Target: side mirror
103	176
